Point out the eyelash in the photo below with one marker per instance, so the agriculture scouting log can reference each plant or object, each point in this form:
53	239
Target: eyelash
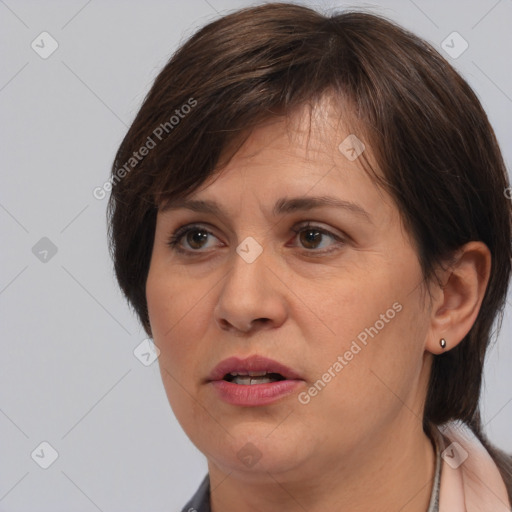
175	238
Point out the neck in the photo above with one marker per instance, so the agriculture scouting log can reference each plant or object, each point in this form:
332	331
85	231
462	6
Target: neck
393	472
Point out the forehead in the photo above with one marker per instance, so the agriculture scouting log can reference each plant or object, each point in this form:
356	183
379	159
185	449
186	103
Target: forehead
313	144
290	164
313	130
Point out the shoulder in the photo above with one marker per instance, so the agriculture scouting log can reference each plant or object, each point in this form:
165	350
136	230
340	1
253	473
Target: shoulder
503	461
474	470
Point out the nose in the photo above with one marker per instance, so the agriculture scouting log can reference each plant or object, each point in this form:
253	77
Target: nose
251	298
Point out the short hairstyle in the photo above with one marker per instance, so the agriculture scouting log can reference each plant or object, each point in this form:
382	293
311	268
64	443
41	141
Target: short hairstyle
437	152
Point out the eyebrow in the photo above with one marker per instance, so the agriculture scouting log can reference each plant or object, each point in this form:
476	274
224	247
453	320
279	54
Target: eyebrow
282	206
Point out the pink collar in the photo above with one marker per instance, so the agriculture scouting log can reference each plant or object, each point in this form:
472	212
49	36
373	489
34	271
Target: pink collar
470	479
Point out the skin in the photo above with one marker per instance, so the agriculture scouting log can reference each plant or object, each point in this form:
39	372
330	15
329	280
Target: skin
358	444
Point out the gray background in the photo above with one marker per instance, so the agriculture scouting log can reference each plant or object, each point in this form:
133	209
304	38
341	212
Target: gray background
68	372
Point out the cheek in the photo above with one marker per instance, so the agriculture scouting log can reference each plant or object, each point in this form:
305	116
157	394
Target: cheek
176	330
376	383
379	324
173	315
173	298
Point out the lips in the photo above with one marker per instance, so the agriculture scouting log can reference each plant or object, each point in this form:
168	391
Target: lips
251	366
253	382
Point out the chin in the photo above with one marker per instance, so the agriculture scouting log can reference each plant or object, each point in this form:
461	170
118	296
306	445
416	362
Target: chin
256	454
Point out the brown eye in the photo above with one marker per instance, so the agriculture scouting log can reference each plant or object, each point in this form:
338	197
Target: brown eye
192	239
310	238
194	236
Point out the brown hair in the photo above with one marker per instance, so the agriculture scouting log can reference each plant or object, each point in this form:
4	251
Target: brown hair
436	150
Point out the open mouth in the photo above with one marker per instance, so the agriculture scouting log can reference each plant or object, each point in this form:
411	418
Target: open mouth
252	378
253	381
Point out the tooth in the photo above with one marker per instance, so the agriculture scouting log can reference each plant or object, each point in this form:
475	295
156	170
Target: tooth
261	381
257	374
246	380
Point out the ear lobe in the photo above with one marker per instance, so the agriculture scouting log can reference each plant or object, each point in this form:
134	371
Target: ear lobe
457	303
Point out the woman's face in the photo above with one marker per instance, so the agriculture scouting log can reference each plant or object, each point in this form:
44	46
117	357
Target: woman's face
339	302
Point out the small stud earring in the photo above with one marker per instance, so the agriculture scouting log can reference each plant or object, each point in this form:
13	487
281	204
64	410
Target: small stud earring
442	342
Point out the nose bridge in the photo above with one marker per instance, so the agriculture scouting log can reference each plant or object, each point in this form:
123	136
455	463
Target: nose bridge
248	265
249	293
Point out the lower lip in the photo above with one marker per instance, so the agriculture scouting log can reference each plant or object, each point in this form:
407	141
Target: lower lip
255	394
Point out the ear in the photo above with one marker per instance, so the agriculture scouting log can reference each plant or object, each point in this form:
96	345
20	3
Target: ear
456	304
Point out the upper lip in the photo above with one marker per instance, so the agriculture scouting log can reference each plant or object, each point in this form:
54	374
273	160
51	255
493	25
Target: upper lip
254	363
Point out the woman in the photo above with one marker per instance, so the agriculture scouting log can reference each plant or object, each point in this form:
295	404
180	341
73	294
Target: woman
308	215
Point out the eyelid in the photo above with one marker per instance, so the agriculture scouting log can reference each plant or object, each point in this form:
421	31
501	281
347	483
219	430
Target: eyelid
180	232
300	226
